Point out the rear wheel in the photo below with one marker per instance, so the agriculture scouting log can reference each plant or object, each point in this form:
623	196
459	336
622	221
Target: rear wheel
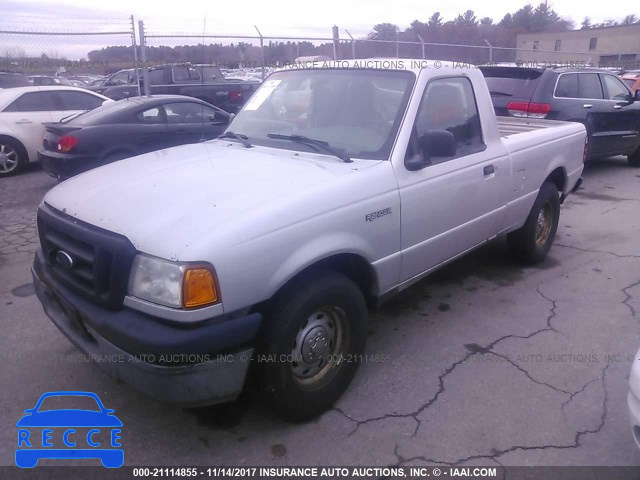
12	157
531	243
310	345
634	159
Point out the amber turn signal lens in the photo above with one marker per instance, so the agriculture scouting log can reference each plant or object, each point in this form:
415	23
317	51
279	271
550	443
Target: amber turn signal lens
199	288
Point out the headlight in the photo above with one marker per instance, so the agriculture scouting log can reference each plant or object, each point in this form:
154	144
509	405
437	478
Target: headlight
173	284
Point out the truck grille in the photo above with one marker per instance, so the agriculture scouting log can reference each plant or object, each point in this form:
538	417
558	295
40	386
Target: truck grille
87	259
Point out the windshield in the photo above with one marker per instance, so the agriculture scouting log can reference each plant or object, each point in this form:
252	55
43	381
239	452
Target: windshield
356	111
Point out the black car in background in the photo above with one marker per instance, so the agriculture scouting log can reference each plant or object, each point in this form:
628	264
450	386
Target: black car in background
205	82
126	128
596	98
11	80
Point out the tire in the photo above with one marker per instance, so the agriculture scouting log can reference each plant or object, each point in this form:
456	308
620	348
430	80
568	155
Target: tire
531	243
634	159
311	326
13	157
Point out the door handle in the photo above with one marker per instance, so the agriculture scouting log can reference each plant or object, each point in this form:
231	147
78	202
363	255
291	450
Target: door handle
617	107
24	121
489	169
587	105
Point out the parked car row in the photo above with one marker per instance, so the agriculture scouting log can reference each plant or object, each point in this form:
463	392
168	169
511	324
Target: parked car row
85	129
597	98
25	110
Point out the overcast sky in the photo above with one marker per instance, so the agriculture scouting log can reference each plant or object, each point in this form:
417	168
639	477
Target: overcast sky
273	17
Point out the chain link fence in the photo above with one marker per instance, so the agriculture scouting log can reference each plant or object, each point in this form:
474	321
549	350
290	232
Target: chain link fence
57	46
50	49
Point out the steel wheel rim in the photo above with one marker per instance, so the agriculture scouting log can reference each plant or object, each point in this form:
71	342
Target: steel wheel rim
317	345
543	224
8	158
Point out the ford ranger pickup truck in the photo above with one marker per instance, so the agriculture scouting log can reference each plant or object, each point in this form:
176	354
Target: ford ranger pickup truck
253	258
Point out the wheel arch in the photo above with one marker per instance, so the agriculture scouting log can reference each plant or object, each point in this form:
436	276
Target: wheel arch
558	177
351	265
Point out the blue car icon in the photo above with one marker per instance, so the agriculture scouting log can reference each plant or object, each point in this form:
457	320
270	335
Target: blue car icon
79	433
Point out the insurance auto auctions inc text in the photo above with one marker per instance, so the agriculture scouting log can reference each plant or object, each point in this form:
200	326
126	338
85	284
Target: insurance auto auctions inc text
353	472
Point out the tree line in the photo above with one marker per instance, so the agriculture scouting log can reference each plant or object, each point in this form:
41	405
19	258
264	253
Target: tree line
463	31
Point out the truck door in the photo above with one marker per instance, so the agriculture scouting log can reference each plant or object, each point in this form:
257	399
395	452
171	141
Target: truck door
456	202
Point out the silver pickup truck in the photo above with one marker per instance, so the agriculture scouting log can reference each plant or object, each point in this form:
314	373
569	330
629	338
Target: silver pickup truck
185	271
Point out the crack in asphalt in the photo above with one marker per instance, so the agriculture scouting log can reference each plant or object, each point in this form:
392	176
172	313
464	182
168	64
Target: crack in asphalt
628	298
587	250
498	453
416	412
477	349
574	394
473	350
528	375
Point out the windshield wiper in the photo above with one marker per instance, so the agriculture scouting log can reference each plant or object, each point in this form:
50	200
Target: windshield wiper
243	139
503	94
72	116
312	142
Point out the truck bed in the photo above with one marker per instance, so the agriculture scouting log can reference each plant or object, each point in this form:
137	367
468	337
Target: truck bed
509	126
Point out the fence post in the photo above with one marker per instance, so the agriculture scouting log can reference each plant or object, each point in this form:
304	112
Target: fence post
490	50
135	53
261	49
422	42
397	47
336	40
353	45
143	54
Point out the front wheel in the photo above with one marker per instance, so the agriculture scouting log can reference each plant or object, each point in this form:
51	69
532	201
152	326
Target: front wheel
310	345
12	157
531	242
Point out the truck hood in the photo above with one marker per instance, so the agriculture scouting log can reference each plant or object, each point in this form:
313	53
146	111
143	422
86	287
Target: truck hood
163	200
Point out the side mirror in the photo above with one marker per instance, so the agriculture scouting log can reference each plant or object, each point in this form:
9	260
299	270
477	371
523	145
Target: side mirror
433	144
438	143
636	96
221	118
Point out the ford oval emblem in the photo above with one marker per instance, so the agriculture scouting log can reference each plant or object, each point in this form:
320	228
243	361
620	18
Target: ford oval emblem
64	259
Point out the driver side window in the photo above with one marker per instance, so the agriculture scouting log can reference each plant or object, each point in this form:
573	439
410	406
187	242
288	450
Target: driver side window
449	104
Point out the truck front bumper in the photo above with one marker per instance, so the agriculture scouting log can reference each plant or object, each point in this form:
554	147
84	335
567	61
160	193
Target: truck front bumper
205	377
